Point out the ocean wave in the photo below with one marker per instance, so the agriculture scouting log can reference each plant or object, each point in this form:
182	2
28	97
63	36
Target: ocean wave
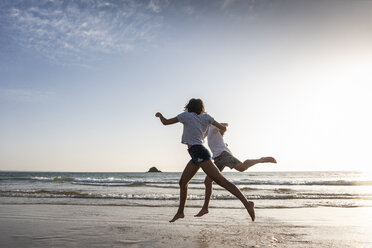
307	183
112	181
161	186
284	190
81	194
63	179
48	194
161	197
14	178
138	182
175	204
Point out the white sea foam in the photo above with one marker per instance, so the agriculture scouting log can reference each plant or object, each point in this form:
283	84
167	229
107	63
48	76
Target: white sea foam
297	189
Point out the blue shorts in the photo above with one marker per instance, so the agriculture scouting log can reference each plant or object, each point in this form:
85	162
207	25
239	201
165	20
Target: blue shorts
199	154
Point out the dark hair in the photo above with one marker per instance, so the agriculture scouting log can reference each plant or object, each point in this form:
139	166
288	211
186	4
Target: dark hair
195	105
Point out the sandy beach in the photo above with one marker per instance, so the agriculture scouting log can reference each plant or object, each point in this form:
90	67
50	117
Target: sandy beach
42	225
95	94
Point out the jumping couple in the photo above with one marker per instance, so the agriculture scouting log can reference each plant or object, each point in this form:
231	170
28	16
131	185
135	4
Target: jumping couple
196	124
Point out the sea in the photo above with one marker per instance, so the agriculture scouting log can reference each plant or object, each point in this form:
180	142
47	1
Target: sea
311	189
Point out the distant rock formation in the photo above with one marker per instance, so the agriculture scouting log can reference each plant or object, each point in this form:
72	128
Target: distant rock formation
154	169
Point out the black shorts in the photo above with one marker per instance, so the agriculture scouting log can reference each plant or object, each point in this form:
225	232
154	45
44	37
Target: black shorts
199	154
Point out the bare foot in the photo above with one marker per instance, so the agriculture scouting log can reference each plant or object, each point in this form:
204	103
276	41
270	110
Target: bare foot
268	160
177	216
202	212
251	210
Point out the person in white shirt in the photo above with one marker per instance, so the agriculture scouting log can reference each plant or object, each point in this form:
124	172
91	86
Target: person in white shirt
195	125
223	157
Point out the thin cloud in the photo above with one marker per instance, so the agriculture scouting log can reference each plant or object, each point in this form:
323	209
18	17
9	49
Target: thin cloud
189	10
154	5
66	30
25	95
78	32
226	3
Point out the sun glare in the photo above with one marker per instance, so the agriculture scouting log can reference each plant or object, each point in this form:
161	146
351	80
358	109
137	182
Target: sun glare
367	174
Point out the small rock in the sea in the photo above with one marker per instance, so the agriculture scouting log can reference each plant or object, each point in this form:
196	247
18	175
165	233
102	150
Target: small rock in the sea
154	169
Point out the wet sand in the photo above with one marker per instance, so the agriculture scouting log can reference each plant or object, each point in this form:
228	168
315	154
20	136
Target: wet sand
42	225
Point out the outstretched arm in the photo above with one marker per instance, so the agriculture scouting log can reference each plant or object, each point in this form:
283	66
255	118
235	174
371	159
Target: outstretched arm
166	121
222	128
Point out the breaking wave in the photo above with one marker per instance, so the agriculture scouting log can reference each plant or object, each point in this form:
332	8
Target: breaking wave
157	196
112	181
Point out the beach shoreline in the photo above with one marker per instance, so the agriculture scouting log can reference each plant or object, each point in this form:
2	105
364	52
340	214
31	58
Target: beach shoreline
46	225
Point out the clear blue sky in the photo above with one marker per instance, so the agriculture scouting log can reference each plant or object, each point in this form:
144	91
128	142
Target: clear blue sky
81	81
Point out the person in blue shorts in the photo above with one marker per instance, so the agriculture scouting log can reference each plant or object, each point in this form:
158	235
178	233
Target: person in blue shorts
195	125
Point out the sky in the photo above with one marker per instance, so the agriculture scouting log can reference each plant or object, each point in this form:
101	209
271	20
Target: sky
81	81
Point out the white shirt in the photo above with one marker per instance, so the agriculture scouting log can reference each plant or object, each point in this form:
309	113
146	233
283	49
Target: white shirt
194	127
216	142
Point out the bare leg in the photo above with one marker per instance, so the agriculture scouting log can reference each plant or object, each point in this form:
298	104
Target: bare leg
188	173
212	171
250	162
208	192
239	167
